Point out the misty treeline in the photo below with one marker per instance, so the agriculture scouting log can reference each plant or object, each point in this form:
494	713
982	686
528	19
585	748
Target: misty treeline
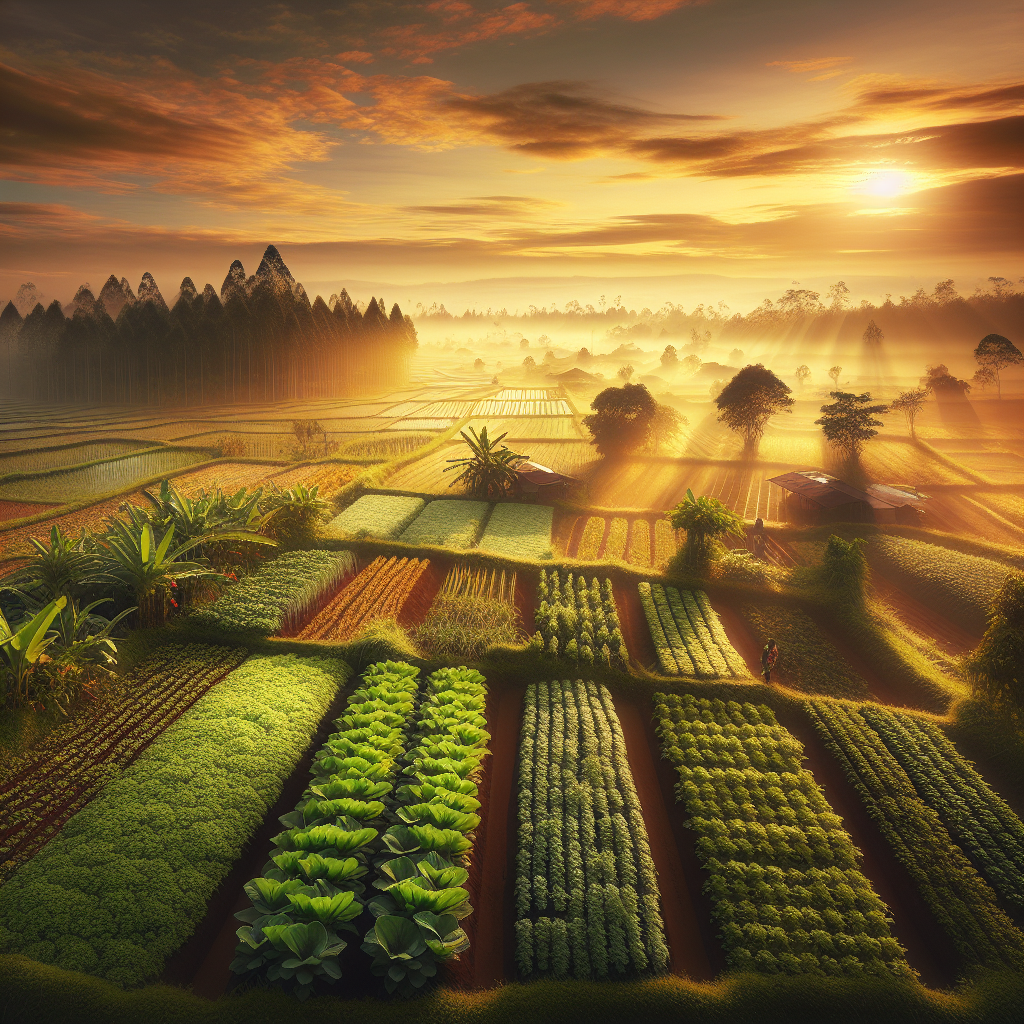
799	315
259	340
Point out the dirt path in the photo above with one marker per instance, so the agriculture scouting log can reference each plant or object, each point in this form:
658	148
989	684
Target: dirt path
950	637
634	626
526	597
491	955
929	950
682	928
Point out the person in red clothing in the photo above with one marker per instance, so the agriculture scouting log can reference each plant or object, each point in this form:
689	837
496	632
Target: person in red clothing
769	656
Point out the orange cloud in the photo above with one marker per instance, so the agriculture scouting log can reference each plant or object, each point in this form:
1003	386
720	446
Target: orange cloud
814	64
356	57
630	10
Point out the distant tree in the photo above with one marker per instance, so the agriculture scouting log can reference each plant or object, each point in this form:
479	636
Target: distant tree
946	292
666	426
699	340
750	400
872	334
910	403
525	343
669	358
549	356
802	374
529	362
839	294
996	668
692	363
834	373
488	471
704	519
995	353
939	380
584	356
622	418
478	364
736	355
305	431
715	388
849	421
543	340
983	377
625	372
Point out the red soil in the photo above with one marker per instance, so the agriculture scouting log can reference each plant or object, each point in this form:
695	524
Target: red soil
634	626
527	581
678	909
18	509
418	603
490	958
325	599
739	636
929	949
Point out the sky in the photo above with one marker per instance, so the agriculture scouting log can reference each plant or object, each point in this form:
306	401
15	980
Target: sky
459	140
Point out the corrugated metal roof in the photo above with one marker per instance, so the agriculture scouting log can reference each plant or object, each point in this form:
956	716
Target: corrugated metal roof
827	491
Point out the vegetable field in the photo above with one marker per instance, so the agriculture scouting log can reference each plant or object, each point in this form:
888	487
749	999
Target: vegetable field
587	898
378	592
39	793
128	878
452	524
688	635
577	620
519	531
280	595
785	882
116	474
377	515
960	899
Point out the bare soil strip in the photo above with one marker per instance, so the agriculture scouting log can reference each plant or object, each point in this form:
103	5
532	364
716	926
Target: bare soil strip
634	626
686	937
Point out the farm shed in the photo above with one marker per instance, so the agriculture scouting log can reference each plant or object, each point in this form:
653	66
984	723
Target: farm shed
827	499
533	478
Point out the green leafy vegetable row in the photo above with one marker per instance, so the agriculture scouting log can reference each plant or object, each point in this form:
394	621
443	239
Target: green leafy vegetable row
311	888
587	896
282	594
577	620
787	891
958	896
128	878
688	635
422	899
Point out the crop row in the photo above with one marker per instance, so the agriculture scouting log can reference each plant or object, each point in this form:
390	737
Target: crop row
958	896
128	878
116	474
587	898
69	455
447	523
377	515
312	889
548	428
785	883
578	620
378	592
626	542
688	635
490	584
280	595
977	818
423	899
519	531
66	770
530	407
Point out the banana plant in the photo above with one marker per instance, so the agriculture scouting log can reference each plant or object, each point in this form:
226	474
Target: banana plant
61	565
22	650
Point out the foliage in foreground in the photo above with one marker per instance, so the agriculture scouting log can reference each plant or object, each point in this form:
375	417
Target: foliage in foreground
961	901
996	668
785	877
587	896
128	878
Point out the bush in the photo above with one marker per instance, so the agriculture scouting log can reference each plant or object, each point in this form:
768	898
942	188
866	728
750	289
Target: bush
844	568
463	627
127	880
996	668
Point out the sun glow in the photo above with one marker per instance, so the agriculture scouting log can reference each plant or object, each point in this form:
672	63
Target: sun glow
884	184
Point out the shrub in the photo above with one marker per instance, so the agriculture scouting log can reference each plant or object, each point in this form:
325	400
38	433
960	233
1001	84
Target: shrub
463	627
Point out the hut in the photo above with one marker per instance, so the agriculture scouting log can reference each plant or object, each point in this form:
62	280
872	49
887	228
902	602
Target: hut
535	479
816	495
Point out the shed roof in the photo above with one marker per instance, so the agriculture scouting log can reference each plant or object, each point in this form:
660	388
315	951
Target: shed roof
826	491
535	473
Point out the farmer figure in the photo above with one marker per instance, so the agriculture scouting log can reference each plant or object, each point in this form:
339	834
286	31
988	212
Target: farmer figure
769	656
757	539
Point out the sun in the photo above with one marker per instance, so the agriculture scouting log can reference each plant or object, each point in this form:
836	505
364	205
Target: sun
884	184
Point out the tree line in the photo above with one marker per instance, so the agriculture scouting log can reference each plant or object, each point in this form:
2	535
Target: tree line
260	342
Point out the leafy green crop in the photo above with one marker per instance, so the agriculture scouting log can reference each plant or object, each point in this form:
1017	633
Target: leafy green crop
128	878
452	524
377	515
578	620
519	531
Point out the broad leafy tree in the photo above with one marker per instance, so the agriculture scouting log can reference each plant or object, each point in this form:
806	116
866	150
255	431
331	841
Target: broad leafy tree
995	353
705	520
488	471
750	400
666	426
850	421
803	374
621	420
669	358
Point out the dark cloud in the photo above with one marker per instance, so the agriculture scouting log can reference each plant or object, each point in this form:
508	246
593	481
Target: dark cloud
1004	97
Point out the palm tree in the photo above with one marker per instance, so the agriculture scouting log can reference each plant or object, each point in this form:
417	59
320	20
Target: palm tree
705	520
489	471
